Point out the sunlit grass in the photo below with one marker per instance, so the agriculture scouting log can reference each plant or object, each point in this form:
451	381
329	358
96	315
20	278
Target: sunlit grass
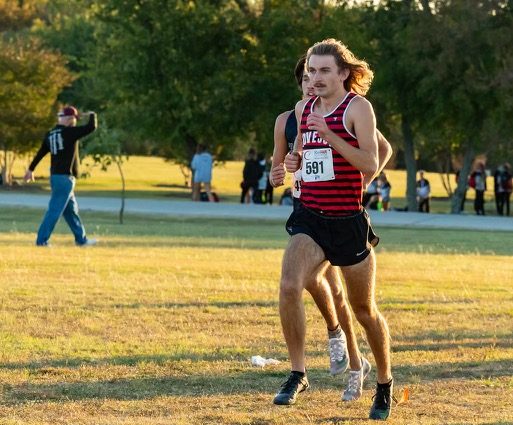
157	324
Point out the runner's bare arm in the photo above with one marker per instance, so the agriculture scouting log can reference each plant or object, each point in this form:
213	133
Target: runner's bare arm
298	145
360	117
293	159
384	154
277	174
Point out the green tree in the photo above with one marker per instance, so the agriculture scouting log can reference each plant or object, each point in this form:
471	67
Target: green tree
69	27
170	73
467	67
18	15
283	31
31	78
392	52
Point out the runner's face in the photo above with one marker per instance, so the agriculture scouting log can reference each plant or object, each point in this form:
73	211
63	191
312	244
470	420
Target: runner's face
306	86
325	76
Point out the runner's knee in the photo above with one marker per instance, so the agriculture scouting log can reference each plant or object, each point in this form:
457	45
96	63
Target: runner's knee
314	284
290	288
365	314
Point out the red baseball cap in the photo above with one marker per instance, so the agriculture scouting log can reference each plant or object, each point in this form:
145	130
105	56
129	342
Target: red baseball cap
69	111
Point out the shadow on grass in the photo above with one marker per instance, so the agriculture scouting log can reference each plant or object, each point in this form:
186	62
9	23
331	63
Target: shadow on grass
172	186
340	420
218	304
245	381
454	370
58	366
487	423
251	243
250	304
496	342
147	387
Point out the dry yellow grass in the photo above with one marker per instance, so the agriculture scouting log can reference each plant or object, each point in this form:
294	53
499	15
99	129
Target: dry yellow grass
157	327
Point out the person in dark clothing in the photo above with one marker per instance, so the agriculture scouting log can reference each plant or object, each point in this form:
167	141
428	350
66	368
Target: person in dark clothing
502	188
62	144
258	197
478	178
251	173
509	187
423	193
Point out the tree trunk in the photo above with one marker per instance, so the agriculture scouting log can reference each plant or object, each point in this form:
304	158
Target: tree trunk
444	170
461	188
186	172
10	168
411	166
6	168
123	191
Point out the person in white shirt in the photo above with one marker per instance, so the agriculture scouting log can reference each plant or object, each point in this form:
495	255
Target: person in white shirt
423	193
201	167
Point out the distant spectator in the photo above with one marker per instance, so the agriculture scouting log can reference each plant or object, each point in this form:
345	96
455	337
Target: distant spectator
385	188
371	196
286	198
423	193
502	188
478	182
62	142
509	186
201	167
262	183
251	174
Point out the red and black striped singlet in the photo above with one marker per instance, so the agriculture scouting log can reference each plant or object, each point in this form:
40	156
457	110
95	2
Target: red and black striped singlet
343	195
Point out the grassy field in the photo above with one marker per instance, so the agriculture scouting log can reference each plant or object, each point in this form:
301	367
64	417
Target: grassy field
153	177
157	325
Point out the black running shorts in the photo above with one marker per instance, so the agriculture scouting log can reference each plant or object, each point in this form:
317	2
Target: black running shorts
345	240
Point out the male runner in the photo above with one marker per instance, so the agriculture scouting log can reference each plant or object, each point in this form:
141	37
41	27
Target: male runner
328	287
337	131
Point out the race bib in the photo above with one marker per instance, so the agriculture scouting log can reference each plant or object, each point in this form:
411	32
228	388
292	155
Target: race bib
296	184
317	165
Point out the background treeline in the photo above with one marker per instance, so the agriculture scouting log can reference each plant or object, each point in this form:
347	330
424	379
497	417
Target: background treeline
168	74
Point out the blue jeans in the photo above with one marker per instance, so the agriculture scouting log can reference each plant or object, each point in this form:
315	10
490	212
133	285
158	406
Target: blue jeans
62	202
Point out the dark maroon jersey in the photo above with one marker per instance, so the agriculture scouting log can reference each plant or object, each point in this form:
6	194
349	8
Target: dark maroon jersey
343	195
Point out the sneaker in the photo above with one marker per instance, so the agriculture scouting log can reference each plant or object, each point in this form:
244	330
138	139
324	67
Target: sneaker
355	382
289	390
88	242
382	405
339	357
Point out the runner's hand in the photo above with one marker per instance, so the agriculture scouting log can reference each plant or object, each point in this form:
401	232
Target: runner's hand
316	122
277	176
292	162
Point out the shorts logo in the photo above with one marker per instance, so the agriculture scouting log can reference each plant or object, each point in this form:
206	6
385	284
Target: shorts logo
361	253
